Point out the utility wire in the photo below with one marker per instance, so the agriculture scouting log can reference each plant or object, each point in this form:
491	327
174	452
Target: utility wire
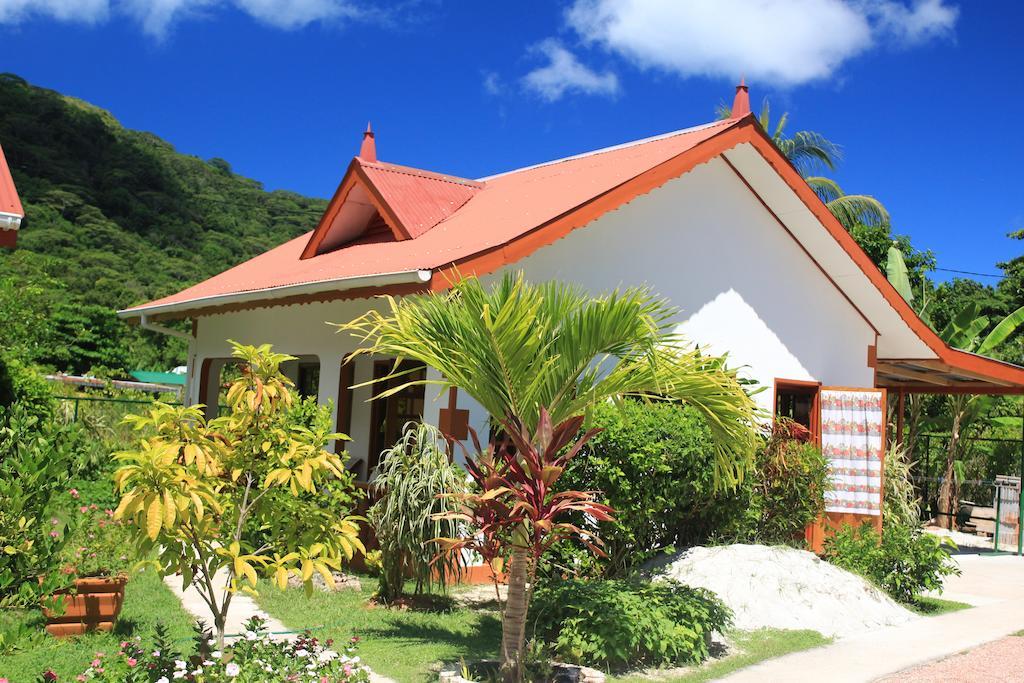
968	272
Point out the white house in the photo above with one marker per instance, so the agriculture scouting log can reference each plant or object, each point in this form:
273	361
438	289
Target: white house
712	217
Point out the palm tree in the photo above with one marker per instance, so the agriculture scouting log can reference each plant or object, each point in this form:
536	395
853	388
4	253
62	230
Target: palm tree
811	153
524	351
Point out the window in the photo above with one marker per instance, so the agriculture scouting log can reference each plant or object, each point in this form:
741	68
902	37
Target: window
798	401
308	383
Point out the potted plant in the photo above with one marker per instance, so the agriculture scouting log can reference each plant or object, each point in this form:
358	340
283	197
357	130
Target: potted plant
95	566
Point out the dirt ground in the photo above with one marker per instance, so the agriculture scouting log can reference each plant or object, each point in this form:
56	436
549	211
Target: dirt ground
1001	661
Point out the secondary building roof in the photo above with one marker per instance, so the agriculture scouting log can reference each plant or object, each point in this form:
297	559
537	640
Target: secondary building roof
11	211
394	229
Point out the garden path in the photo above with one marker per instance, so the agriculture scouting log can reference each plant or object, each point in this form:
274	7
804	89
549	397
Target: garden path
242	608
993	584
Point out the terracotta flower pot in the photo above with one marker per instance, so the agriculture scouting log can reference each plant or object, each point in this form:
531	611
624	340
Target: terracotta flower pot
92	605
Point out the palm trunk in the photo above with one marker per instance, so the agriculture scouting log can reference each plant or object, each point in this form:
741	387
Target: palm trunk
513	625
947	497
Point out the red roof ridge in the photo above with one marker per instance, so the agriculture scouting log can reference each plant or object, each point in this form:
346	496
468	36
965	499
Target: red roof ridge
420	173
614	148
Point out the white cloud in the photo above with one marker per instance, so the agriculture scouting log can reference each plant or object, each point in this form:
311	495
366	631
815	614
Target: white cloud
786	42
86	11
925	20
155	17
564	74
492	83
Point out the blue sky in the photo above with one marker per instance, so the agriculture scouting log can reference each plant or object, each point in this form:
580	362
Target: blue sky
923	95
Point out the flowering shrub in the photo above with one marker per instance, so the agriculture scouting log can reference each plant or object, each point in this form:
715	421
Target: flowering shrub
97	545
252	658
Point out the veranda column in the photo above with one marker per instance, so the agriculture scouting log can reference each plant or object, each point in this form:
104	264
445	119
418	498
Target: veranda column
327	391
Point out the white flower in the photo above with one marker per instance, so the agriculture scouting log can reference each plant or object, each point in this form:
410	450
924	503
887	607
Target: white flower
327	655
163	679
156	653
178	664
301	653
216	654
232	669
178	674
249	635
198	671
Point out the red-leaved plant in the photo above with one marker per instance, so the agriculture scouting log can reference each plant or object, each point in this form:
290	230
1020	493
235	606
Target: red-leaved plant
516	511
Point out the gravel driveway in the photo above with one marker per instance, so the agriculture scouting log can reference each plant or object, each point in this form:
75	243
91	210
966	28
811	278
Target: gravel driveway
1002	661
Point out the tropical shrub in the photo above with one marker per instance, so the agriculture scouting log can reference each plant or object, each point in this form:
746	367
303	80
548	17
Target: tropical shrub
37	461
900	504
786	491
254	657
251	492
904	562
416	484
653	462
625	623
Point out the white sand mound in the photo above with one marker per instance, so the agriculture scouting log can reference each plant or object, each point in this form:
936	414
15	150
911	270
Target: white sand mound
778	587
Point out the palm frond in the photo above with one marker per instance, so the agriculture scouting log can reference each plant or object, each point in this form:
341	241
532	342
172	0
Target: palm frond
810	151
827	189
854	209
517	347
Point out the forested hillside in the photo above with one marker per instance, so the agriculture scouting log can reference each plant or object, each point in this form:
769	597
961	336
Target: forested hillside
116	217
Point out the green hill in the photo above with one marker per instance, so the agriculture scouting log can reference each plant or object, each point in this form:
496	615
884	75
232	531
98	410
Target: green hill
115	217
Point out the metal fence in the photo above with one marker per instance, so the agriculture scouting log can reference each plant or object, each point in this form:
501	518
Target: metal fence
991	504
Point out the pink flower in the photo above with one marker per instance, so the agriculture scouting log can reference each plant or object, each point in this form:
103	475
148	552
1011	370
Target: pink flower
54	534
83	509
96	663
132	661
80	677
92	506
74	494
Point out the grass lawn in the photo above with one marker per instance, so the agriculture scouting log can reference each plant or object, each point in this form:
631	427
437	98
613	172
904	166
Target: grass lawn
406	645
750	648
147	601
935	606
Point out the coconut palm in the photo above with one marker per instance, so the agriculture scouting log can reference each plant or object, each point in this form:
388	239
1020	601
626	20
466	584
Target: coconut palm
812	153
524	351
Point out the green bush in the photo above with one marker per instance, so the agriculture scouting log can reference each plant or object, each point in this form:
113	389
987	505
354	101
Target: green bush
616	623
654	464
904	562
36	463
785	492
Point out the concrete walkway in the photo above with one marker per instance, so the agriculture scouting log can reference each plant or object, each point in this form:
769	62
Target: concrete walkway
242	607
995	584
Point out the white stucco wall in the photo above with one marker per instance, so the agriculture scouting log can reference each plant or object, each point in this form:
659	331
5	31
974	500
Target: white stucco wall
704	241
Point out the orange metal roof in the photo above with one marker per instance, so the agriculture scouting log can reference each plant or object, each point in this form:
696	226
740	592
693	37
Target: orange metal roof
419	199
9	201
494	212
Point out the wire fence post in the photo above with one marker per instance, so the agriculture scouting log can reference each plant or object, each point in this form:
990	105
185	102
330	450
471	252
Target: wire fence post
1020	506
999	516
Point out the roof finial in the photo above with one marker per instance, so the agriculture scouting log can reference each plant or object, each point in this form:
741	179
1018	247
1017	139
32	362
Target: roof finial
368	150
741	103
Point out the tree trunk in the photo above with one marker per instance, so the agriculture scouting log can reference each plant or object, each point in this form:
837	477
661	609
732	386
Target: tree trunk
513	625
947	493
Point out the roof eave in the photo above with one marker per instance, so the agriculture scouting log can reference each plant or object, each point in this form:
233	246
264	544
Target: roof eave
180	309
